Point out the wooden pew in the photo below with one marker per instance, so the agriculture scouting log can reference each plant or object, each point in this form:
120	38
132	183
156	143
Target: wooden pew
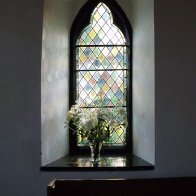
183	186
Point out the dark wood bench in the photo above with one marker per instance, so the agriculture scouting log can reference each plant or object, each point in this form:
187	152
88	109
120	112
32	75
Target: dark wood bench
124	187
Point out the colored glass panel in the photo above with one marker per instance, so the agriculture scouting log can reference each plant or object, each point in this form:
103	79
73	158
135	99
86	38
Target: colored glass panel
102	81
101	57
101	19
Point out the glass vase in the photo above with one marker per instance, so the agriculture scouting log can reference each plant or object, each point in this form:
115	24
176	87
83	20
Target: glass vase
95	148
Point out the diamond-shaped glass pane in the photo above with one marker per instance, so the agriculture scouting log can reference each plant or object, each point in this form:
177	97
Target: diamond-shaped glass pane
102	62
101	57
101	30
110	82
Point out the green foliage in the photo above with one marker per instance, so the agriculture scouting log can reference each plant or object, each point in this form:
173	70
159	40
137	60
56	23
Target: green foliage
95	124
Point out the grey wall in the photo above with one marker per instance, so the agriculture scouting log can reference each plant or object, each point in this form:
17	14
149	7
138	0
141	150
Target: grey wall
55	79
175	86
20	97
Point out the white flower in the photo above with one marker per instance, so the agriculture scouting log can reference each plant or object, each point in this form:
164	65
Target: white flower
95	114
70	115
94	121
88	120
88	125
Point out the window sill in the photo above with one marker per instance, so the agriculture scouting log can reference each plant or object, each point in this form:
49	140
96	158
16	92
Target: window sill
126	162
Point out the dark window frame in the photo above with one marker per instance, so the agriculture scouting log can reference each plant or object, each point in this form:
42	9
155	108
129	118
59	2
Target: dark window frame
81	21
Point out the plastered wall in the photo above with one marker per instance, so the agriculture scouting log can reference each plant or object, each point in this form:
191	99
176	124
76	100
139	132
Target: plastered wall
54	79
20	97
55	60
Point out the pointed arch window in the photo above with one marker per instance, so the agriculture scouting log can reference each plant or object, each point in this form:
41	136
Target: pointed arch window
100	61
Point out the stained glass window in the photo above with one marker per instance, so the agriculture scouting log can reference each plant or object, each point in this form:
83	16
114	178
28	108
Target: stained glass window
102	65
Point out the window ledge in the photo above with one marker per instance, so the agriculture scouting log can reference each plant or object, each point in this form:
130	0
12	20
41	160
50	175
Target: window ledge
126	162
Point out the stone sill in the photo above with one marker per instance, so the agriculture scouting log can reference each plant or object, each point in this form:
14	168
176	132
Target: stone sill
125	162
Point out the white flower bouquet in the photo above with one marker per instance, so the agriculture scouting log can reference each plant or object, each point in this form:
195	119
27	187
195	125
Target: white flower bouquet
96	123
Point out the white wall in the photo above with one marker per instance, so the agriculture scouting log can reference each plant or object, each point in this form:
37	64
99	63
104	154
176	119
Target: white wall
142	17
55	80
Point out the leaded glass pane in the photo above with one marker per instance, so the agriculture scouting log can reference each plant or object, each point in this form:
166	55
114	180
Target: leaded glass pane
102	57
101	30
92	82
101	65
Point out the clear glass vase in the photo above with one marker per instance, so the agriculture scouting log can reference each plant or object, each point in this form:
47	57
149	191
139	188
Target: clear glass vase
95	148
